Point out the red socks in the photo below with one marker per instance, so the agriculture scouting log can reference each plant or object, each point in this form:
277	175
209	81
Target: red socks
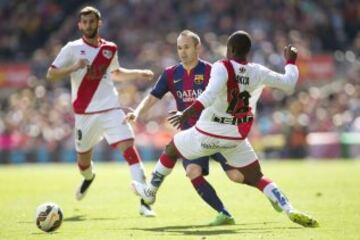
263	182
167	161
131	155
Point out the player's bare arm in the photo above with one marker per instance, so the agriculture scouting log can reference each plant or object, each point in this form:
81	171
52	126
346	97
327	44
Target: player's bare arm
145	105
124	74
59	73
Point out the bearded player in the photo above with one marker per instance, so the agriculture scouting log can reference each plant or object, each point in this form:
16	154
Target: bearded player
92	64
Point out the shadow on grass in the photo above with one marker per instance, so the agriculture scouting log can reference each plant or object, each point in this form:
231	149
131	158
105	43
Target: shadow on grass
76	218
263	227
80	218
44	233
29	222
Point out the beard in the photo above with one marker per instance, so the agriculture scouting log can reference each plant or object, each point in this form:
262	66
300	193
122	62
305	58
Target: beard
90	33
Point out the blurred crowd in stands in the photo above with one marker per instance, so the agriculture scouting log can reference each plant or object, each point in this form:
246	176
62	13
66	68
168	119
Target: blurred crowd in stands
40	116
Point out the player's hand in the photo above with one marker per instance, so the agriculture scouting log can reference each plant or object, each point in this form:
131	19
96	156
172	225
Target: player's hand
290	53
81	63
176	118
146	74
131	117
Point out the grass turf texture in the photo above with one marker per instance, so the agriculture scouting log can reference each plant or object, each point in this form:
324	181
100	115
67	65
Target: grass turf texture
327	190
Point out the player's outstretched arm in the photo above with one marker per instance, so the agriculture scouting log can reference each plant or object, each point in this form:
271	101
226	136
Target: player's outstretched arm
287	81
145	105
124	74
54	73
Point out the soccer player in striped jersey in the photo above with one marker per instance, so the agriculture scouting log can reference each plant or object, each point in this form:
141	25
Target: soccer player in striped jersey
186	81
92	64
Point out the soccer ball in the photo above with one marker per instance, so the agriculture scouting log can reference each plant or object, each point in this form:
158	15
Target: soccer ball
48	217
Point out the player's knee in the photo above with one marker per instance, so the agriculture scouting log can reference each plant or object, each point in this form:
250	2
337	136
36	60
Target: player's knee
84	158
235	175
193	171
122	146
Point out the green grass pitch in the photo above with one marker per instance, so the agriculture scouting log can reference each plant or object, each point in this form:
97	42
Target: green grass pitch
328	190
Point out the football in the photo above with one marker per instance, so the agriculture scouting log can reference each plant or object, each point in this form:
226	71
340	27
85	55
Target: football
48	217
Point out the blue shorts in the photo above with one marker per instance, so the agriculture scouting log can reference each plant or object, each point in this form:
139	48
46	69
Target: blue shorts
203	162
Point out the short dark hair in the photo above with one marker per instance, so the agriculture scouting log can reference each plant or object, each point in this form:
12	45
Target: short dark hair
240	41
89	9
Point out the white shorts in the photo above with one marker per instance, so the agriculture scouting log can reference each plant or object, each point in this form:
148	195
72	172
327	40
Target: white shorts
90	129
192	144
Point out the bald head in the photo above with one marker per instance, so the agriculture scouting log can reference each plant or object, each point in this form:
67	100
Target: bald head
238	45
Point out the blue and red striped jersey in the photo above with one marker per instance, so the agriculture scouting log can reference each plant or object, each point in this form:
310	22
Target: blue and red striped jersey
184	86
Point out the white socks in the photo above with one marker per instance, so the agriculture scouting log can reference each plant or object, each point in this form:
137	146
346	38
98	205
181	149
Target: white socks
274	193
137	172
88	172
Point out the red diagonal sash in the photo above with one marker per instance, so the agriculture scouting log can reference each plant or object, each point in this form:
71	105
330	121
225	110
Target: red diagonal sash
233	98
92	78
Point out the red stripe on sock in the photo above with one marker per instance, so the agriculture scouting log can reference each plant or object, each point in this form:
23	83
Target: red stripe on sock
167	161
131	155
262	183
198	181
83	167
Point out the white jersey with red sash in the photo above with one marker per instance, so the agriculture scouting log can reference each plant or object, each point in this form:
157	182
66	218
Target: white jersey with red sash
92	88
232	93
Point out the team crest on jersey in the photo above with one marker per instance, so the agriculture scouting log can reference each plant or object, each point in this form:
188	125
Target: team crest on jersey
107	53
198	78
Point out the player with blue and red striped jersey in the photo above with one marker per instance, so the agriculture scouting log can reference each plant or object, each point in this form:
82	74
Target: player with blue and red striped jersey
186	81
